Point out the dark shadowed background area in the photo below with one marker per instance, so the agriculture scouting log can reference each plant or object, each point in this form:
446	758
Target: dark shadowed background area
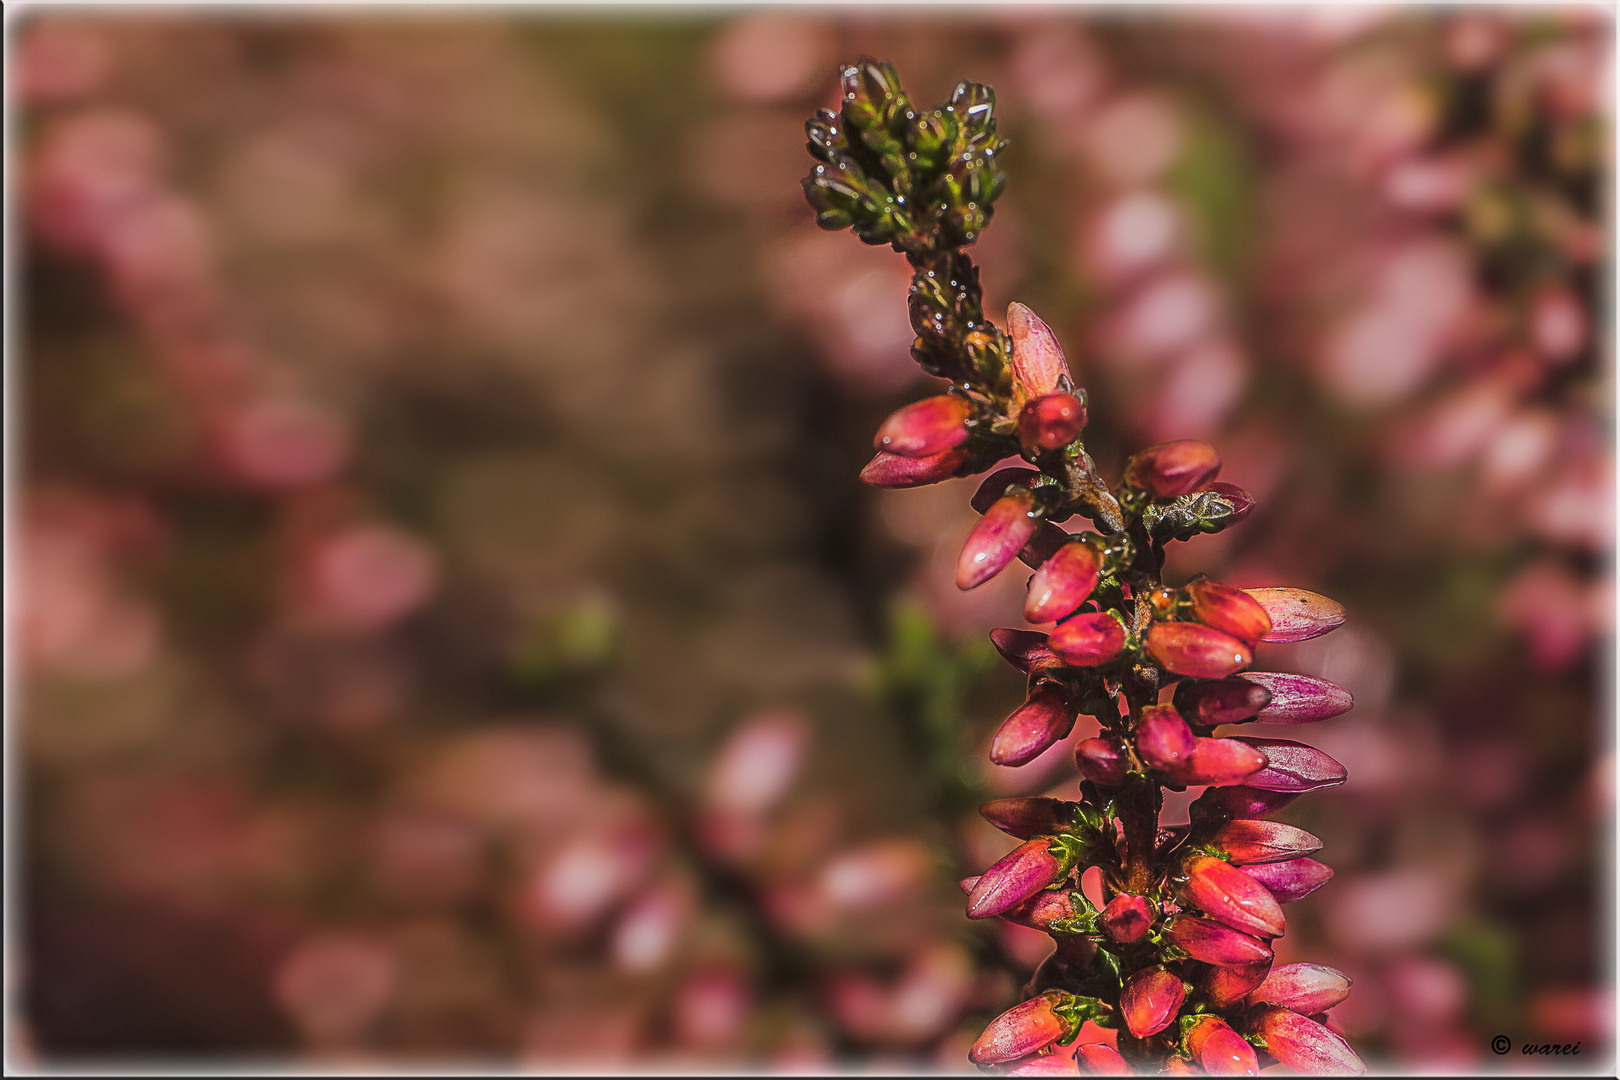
450	624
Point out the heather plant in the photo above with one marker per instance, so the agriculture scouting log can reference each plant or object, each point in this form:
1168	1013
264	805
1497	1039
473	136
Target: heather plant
1177	963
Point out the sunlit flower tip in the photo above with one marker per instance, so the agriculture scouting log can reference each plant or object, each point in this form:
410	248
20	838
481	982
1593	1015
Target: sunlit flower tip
1220	1050
1062	583
1043	1065
1051	421
1228	895
1088	640
1022	1030
1247	841
1126	919
1028	817
1044	718
1297	615
1037	361
1173	469
1225	986
1199	652
1021	648
1099	1059
995	540
1216	943
1299	699
1229	609
894	471
1149	1001
1102	761
1305	988
1293	767
924	427
1242	502
1221	701
1019	874
996	484
1217	762
1163	738
1239	801
1304	1045
1291	880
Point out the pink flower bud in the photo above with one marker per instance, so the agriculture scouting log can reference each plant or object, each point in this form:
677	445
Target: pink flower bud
1051	421
1037	359
1028	817
1062	583
1200	652
1240	802
1045	717
1102	761
1020	874
1291	880
1299	699
1247	841
1228	895
894	471
967	883
1209	941
1022	1030
1228	609
1088	640
1100	1059
1303	1045
1172	469
1216	762
1220	1050
1149	1001
1293	767
995	540
1044	1065
1043	909
1297	615
1163	738
1226	986
924	427
1305	988
1127	918
1021	648
1223	701
996	484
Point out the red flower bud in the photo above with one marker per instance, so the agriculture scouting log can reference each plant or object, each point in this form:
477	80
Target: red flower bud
1224	701
1228	609
1163	738
1220	1050
1149	1001
1043	1065
995	540
1226	986
1172	469
1088	640
1045	717
1200	652
1303	1045
1305	988
1102	761
1062	583
1296	614
1100	1059
1240	802
1242	502
1228	895
1299	699
1046	907
1291	880
1247	841
1051	421
1293	767
1037	359
1023	1029
996	484
1209	941
1021	648
924	427
1216	762
1127	918
1028	817
1020	874
894	471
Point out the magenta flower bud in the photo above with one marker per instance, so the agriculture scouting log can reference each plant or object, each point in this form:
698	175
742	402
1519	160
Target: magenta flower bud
1163	738
1127	918
1043	1065
1100	1059
996	484
1220	1050
1200	652
1172	469
1216	762
1062	583
1305	988
1228	609
1228	895
1020	874
1226	986
1149	1001
895	471
1102	761
1299	699
1303	1045
995	540
1246	841
1051	421
967	883
1046	907
1021	648
1029	817
1223	701
1293	767
1045	717
1291	880
1242	502
924	427
1296	614
1037	359
1213	943
1240	802
1022	1030
1088	640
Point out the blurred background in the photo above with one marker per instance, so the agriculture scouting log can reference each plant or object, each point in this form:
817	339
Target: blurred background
450	624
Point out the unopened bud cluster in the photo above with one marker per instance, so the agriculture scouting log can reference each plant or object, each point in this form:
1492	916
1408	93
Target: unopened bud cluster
1178	961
